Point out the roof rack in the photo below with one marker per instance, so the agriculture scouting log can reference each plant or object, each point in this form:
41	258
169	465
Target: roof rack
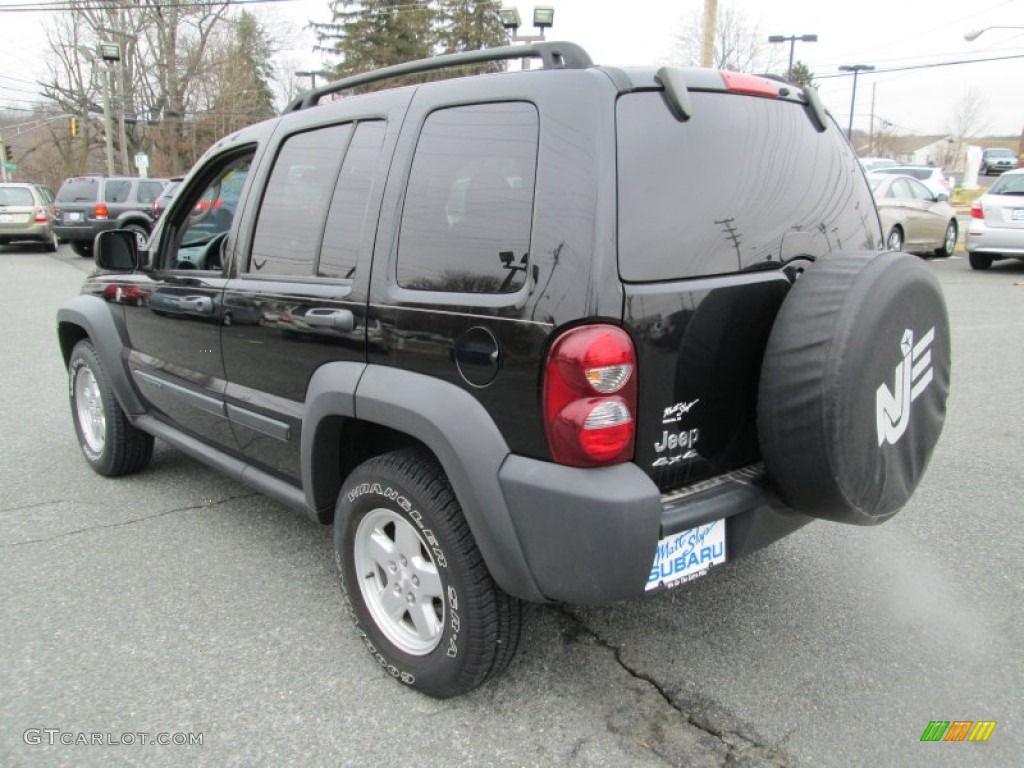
554	55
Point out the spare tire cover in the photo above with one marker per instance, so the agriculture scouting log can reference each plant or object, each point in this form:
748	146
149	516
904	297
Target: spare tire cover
853	386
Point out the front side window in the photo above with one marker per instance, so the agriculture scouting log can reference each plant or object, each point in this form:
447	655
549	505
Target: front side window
204	220
291	217
469	203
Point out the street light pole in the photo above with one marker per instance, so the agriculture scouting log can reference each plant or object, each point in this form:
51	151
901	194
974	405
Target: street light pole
312	74
856	69
543	18
792	45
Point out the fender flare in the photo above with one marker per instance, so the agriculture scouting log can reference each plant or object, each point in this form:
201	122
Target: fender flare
106	331
453	425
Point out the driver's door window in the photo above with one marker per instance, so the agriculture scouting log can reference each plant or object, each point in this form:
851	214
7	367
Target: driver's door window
199	237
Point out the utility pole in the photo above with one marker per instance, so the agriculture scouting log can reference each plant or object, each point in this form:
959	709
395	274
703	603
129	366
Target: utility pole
707	51
871	126
110	53
856	69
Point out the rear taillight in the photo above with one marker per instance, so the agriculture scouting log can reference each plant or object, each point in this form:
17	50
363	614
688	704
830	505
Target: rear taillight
976	212
590	385
40	216
101	211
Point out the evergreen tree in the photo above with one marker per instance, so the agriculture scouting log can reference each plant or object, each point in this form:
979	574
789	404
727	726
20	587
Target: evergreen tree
801	75
469	25
370	34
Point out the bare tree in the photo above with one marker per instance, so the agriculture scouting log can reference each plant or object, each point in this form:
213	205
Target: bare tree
967	117
740	45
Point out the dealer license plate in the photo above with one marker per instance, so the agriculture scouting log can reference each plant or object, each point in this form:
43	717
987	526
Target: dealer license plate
686	556
1017	215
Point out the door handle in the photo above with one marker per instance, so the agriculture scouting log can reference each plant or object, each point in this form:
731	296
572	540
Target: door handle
324	317
201	305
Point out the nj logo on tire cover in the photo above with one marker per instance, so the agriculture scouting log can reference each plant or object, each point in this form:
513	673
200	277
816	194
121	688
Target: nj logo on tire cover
911	377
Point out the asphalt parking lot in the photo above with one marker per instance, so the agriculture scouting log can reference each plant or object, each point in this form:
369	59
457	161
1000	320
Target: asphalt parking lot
179	602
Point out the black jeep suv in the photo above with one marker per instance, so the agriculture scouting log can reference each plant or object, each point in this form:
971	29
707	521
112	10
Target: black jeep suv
522	337
88	205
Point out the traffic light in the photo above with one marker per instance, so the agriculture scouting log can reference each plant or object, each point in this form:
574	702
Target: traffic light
8	153
74	126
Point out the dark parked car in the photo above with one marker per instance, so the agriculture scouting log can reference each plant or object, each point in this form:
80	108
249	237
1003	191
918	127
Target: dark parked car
26	214
576	334
158	206
88	205
997	160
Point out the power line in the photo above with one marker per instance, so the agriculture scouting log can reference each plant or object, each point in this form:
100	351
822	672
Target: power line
56	6
923	66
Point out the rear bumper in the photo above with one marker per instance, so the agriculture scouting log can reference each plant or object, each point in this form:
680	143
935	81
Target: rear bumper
589	536
1007	241
33	231
84	232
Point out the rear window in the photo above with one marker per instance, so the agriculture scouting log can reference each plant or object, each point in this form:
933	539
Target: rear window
78	191
999	153
16	196
720	192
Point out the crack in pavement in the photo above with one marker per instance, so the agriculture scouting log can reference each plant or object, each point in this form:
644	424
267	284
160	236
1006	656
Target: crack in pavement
738	747
131	522
5	510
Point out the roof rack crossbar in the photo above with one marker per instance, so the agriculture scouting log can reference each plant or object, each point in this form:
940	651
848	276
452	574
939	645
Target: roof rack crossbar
555	55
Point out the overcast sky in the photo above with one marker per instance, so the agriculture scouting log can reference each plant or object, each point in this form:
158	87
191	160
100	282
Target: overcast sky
885	33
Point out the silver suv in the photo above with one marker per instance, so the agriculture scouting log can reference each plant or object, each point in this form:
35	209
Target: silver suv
88	205
997	160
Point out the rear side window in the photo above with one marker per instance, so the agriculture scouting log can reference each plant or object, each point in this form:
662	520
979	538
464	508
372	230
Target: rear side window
78	191
16	196
149	191
292	213
117	191
469	204
720	192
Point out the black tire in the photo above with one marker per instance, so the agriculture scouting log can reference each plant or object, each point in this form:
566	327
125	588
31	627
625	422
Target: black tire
51	245
980	261
82	248
949	241
853	386
470	628
141	234
111	445
894	241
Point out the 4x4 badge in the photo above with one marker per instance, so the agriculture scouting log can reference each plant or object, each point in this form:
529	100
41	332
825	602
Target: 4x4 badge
912	376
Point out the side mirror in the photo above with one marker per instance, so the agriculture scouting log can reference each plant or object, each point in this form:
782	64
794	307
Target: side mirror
116	249
942	197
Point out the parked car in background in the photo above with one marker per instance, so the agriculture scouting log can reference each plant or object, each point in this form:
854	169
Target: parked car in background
88	205
26	213
997	160
996	228
874	163
913	219
160	204
929	175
